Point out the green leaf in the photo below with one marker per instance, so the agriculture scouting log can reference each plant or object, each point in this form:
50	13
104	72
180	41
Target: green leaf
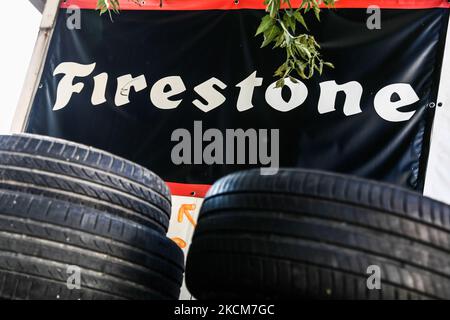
265	24
274	8
270	35
317	12
281	69
280	40
305	52
311	71
298	16
289	22
280	83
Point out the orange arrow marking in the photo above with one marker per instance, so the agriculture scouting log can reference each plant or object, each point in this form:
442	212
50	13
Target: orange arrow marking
180	242
185	211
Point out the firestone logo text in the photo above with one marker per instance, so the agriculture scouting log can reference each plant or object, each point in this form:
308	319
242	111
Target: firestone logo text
166	93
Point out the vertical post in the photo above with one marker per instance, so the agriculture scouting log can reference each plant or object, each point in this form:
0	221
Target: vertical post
36	65
437	179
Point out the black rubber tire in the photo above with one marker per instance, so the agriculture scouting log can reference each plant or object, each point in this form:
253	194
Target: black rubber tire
119	259
309	234
80	174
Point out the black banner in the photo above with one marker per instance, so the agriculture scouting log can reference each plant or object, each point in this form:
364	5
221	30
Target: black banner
126	86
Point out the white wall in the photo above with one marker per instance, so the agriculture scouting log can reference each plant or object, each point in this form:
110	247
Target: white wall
19	25
437	181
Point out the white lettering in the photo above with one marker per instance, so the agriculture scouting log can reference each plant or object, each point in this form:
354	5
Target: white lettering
388	109
124	84
160	98
328	92
66	87
387	102
207	91
299	92
246	94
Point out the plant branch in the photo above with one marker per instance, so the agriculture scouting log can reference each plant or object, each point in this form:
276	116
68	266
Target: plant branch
278	27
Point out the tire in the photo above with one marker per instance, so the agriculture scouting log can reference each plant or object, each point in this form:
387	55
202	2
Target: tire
118	259
309	234
80	174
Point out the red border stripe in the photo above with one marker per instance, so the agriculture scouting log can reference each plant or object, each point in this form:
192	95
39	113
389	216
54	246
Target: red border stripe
188	190
255	4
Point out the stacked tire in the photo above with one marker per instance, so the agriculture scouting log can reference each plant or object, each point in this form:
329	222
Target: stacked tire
307	234
68	211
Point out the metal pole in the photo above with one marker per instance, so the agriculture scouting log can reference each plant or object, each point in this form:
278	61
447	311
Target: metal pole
36	65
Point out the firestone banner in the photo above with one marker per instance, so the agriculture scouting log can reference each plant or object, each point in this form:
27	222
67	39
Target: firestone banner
187	92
